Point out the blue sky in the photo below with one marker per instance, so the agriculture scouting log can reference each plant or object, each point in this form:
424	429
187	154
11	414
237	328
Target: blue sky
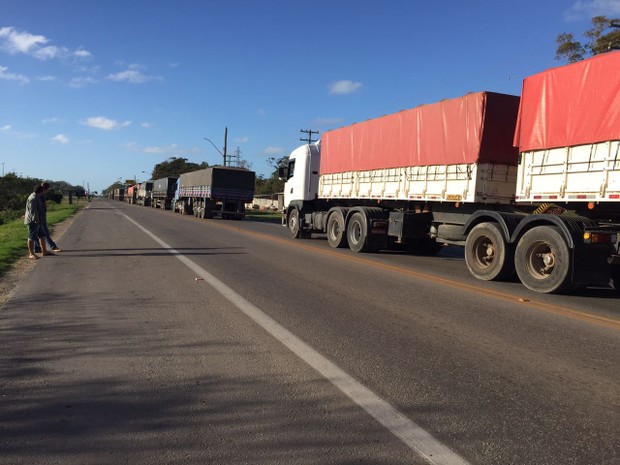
96	91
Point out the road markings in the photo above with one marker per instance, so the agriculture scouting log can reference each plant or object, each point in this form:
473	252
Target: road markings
536	304
415	437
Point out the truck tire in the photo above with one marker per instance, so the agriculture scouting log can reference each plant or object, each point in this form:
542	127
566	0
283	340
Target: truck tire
487	255
357	233
336	230
543	260
293	223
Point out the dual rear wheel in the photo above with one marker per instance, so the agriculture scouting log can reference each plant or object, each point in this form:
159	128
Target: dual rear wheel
541	259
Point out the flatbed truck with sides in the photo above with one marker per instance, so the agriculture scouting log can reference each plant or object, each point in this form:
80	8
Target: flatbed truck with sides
144	193
217	191
449	174
163	192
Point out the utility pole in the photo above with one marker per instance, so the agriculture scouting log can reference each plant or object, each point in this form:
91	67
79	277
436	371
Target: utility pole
237	157
225	143
224	155
308	139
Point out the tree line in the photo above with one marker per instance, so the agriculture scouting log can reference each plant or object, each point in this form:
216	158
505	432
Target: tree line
602	37
14	190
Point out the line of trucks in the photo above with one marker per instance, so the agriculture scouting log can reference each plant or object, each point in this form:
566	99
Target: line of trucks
529	186
214	192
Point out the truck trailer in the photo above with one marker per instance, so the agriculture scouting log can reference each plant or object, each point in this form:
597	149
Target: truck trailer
527	186
119	194
144	193
162	195
131	194
218	191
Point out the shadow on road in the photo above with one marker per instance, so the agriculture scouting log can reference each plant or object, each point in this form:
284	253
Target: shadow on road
106	384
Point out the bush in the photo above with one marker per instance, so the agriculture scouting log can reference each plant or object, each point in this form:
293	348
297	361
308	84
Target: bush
7	216
54	197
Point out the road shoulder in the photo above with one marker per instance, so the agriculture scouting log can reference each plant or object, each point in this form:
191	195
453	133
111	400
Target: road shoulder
22	267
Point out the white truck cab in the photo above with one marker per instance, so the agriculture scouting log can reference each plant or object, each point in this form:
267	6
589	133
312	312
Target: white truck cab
301	175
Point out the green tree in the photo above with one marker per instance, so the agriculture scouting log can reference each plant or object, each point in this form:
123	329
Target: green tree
14	190
272	184
175	166
601	38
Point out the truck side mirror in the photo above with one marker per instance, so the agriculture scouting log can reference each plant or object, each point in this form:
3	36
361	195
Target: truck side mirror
283	173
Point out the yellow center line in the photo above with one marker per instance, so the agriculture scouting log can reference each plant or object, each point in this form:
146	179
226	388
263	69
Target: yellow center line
550	308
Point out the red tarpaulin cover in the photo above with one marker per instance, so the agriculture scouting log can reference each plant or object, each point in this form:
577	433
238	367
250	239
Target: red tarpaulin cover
571	105
475	128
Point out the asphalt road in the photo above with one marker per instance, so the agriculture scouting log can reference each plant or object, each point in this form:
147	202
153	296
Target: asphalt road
156	338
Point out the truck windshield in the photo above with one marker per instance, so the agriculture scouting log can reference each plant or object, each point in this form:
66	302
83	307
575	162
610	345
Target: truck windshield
291	169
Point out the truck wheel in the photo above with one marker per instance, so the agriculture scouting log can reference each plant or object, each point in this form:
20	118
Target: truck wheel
336	230
357	233
293	223
486	254
543	260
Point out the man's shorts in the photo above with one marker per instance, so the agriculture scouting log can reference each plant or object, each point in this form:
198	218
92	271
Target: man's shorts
33	231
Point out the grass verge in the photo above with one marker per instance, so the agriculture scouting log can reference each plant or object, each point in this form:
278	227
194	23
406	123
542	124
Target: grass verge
14	234
261	215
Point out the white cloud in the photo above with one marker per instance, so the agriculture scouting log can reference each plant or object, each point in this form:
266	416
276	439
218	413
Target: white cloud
261	112
80	82
344	87
53	120
158	150
241	140
50	52
8	129
47	78
586	9
132	75
15	42
146	125
273	151
4	74
81	53
171	150
61	139
105	124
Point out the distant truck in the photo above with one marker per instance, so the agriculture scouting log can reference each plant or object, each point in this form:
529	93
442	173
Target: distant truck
144	193
527	186
162	195
119	194
131	194
218	191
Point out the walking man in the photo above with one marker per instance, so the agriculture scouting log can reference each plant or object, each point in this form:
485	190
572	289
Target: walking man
46	231
33	219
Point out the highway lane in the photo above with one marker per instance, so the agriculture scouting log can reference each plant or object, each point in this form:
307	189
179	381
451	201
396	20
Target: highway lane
171	369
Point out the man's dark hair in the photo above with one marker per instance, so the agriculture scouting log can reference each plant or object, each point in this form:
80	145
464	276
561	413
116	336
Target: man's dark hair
38	189
46	185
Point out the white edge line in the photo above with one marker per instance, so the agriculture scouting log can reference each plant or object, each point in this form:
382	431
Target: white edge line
415	437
